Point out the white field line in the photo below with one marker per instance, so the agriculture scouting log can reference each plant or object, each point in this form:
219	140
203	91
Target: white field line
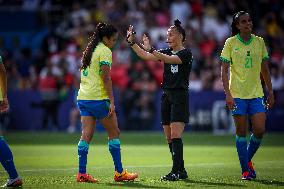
146	166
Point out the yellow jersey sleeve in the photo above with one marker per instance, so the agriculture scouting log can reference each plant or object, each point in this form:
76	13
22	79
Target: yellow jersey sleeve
264	51
226	52
105	57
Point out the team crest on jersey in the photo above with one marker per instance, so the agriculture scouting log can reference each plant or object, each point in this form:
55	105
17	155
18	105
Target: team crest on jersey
174	69
248	53
85	72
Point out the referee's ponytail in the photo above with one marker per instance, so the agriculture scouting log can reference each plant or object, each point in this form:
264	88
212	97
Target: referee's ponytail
177	25
102	30
235	21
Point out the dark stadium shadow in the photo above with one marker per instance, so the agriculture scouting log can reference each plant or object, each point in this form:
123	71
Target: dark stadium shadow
132	185
269	182
208	183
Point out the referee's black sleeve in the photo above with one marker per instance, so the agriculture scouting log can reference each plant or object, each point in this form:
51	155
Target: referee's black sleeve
185	56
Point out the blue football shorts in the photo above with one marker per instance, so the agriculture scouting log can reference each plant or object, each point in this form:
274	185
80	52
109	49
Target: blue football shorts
96	108
249	106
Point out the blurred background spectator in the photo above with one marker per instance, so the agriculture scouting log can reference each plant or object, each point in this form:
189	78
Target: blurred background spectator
41	43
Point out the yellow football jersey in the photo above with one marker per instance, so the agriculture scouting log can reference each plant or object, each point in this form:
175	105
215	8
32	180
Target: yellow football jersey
245	59
91	86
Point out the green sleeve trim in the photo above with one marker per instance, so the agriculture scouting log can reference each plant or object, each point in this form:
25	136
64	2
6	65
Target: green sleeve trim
265	58
105	63
224	60
1	60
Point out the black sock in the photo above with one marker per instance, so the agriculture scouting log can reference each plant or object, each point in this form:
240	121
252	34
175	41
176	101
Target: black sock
182	162
171	149
177	149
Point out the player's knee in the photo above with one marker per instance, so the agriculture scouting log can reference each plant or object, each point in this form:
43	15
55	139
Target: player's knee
114	134
241	131
259	132
86	137
169	140
175	134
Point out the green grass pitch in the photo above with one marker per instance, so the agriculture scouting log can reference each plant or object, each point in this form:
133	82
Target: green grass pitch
49	160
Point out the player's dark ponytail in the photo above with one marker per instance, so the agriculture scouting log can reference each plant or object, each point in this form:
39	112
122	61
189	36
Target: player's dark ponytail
236	17
102	30
177	25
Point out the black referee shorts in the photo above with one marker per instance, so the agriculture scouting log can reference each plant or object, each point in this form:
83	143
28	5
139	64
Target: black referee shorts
175	106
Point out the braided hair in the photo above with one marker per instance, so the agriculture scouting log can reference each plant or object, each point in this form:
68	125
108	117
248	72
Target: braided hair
102	30
235	21
179	28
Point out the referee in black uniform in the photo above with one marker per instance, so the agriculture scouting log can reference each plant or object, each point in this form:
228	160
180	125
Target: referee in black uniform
174	103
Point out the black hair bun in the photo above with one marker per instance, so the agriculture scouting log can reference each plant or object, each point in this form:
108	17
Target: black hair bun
177	23
101	24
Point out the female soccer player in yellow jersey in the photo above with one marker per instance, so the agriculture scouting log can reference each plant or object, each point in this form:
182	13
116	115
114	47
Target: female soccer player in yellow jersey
96	102
6	156
246	56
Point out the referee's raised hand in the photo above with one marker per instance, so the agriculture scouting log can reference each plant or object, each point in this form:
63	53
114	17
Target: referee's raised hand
146	43
130	34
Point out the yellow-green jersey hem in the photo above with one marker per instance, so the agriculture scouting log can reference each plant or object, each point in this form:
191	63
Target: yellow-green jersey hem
82	98
225	60
248	97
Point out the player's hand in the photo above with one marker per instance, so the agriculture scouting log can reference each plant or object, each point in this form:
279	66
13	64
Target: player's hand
4	105
111	109
230	102
130	34
270	100
146	43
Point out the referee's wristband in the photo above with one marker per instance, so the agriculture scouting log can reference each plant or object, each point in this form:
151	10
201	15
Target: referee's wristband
152	50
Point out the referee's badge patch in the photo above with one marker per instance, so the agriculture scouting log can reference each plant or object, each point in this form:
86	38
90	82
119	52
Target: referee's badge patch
174	69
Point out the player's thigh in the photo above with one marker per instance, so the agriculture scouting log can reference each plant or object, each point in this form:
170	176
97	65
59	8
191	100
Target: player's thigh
256	105
177	129
240	107
88	127
111	126
241	124
258	123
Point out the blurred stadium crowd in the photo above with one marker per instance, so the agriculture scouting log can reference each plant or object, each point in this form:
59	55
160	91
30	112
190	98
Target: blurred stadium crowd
52	67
